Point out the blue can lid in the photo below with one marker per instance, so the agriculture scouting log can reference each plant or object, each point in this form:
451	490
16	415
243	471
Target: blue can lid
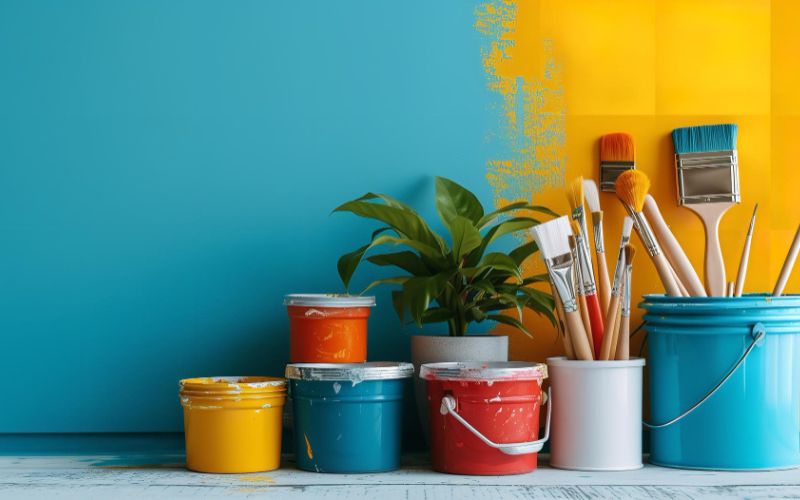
349	372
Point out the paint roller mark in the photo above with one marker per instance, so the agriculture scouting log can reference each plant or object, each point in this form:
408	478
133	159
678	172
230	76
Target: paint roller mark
308	448
531	102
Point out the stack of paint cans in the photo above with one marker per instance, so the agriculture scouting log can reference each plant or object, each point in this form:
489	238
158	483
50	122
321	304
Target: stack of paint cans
346	411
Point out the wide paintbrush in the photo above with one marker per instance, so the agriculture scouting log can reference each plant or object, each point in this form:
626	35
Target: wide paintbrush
707	165
552	238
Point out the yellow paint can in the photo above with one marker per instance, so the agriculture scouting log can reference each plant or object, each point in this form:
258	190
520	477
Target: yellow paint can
233	424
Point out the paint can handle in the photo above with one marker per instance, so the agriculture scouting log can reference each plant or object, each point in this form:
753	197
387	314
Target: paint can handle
758	332
449	406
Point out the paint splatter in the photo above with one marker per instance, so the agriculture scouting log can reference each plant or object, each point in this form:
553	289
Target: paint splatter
309	452
260	478
531	106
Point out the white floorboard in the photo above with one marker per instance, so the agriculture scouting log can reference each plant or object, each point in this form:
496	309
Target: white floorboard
145	476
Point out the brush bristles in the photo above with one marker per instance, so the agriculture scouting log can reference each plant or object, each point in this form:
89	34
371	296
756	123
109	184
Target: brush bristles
632	187
705	138
575	193
627	227
617	147
552	237
592	195
597	217
630	253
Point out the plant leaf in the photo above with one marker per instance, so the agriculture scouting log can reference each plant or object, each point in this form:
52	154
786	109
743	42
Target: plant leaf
500	262
399	304
347	263
453	200
397	280
523	251
466	237
508	320
517	205
437	315
405	260
505	227
403	220
419	291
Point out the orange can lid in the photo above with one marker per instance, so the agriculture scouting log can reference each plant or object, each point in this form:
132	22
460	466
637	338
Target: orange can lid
328	300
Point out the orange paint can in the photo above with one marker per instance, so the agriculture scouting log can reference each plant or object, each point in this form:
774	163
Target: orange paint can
328	328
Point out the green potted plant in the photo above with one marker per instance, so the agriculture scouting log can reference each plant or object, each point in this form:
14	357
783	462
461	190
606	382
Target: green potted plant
456	283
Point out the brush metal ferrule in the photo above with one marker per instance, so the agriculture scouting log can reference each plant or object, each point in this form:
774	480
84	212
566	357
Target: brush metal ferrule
645	233
580	215
708	177
597	230
619	272
562	273
586	283
610	170
626	293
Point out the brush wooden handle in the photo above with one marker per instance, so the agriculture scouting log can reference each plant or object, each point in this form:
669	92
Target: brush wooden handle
611	318
587	324
615	337
710	214
742	272
563	326
665	273
603	283
595	320
624	343
788	265
684	292
580	341
673	250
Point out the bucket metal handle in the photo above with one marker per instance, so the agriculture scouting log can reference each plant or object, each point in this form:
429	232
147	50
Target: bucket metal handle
757	332
449	406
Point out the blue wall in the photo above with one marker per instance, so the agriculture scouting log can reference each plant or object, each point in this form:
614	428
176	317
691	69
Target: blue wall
167	169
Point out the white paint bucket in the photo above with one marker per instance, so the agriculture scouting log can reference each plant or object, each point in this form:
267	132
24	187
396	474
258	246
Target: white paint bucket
597	414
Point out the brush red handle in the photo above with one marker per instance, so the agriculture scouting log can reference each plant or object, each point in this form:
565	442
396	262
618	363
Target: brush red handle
596	322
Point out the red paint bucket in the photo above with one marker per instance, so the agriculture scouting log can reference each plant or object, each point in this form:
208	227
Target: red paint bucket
484	417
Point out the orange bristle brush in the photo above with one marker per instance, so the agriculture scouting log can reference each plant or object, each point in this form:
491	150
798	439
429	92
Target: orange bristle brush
617	155
632	187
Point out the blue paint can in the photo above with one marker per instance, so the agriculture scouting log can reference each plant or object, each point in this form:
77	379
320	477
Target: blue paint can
724	381
347	417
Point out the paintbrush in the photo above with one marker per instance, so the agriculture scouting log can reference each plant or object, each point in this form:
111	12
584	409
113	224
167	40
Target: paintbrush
623	351
788	265
616	290
673	250
562	327
632	187
587	285
577	256
708	184
742	272
593	200
587	289
617	155
552	238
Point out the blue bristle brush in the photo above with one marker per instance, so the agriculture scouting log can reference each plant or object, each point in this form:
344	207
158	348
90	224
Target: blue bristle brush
708	184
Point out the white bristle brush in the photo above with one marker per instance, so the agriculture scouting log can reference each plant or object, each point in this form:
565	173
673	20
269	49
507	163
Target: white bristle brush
552	237
592	197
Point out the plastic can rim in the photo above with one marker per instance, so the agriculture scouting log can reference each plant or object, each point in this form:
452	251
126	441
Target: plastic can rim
477	371
328	300
232	385
350	372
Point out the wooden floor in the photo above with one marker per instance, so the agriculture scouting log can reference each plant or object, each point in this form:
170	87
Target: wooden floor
163	476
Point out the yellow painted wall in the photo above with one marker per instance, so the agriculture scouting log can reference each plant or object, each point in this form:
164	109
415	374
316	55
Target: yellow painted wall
590	67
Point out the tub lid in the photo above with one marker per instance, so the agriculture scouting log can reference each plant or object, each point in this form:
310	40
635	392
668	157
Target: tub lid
505	370
350	372
232	384
328	300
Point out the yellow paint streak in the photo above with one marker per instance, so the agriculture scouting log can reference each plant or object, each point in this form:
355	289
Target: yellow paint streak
260	478
309	452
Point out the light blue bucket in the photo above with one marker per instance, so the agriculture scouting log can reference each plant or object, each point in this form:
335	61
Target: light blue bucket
724	381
